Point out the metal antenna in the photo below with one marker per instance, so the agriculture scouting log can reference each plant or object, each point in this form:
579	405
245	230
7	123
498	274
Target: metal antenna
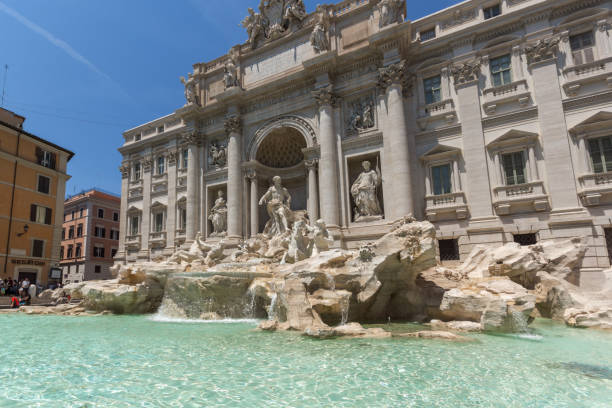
4	84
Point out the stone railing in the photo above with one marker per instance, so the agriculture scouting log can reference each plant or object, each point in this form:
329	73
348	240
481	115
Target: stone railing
347	6
451	205
132	240
180	233
157	238
532	195
135	193
578	75
593	186
515	92
438	110
135	183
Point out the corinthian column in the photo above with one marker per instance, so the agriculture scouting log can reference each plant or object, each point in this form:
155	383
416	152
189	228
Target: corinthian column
328	165
252	176
395	137
192	140
125	181
234	177
313	199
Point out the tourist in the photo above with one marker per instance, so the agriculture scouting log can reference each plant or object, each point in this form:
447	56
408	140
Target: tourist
25	298
14	302
25	284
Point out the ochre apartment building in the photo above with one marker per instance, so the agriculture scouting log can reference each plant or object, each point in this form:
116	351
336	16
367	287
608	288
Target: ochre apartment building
32	188
90	235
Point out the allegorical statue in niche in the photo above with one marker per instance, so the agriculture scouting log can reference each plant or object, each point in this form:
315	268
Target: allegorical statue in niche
254	25
278	203
218	216
318	38
363	190
190	92
230	75
217	155
390	12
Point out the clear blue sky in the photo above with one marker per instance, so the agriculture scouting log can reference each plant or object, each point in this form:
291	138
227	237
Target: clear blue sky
83	71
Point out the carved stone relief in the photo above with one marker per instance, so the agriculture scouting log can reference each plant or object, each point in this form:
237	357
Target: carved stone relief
391	11
360	115
217	154
275	19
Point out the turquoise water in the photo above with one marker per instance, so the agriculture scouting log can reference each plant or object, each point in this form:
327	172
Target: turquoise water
114	361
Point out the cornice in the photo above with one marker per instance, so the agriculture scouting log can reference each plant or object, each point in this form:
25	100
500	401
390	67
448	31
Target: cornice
587	101
517	116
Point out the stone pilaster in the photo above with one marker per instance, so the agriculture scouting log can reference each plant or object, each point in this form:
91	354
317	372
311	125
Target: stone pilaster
192	141
173	159
313	196
254	193
466	77
145	223
328	166
395	136
233	129
123	216
542	59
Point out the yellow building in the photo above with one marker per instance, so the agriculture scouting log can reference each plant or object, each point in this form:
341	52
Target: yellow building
32	188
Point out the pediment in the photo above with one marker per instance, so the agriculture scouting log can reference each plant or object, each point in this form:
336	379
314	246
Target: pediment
157	204
439	151
133	209
602	120
513	136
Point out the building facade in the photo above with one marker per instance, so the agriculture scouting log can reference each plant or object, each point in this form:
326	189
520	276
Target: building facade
32	187
490	118
90	236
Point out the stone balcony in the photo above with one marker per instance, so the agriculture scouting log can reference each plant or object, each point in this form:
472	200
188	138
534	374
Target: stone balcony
132	241
578	76
520	198
159	185
180	233
593	187
157	239
446	206
443	110
515	92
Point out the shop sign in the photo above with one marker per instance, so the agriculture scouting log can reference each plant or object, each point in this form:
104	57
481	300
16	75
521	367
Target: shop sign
27	262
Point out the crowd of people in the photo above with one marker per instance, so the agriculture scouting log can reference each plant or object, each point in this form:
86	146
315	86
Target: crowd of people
21	292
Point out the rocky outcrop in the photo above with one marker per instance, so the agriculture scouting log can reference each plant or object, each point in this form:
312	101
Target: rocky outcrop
498	304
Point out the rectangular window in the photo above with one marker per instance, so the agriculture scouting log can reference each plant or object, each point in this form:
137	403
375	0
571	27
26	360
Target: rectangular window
100	232
39	214
493	11
63	234
77	252
72	215
80	230
432	89
43	184
427	34
449	249
160	129
441	176
100	213
159	222
97	269
61	253
582	48
69	252
185	158
116	216
600	150
98	252
161	168
71	232
137	137
514	168
525	239
81	213
501	72
135	224
136	171
45	158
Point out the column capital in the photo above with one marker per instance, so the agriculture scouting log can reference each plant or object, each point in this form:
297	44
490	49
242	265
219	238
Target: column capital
147	163
325	96
466	72
125	171
312	164
172	157
191	137
392	74
250	174
542	50
232	124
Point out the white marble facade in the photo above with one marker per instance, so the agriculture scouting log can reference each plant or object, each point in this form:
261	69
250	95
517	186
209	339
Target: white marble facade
492	119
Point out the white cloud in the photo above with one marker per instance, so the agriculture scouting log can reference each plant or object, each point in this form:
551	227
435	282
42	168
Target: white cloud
64	46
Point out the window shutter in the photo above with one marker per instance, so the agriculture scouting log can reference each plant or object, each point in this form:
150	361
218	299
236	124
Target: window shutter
33	212
589	56
48	216
53	160
578	58
39	155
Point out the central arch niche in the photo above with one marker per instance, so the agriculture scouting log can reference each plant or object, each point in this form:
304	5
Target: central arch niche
281	149
280	152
